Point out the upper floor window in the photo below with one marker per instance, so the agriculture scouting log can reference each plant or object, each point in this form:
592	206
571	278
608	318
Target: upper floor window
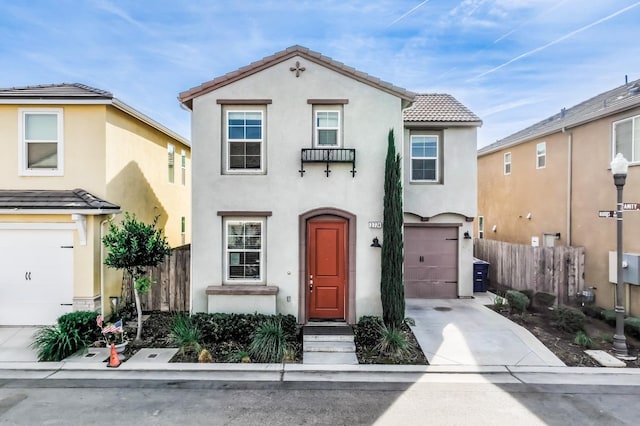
183	168
541	155
244	141
507	163
481	227
626	138
424	158
41	150
171	152
244	242
327	124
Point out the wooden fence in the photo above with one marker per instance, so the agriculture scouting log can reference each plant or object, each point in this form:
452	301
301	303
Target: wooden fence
556	270
171	288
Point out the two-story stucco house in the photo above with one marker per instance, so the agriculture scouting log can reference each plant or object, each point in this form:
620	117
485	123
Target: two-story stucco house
73	158
547	184
288	190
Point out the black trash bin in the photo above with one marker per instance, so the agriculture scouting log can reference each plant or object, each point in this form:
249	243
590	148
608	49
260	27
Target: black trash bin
480	275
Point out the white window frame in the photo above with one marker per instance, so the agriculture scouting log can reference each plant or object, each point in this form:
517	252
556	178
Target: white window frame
262	263
481	227
317	128
228	142
183	230
171	163
436	158
507	164
183	167
542	146
635	138
23	168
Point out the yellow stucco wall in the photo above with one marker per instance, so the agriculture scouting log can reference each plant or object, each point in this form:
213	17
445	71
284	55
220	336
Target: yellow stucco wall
116	157
505	200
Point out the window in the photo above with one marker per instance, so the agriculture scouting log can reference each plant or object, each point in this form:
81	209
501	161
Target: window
183	229
183	158
171	150
626	138
327	129
541	155
41	144
507	163
481	227
243	250
424	158
244	138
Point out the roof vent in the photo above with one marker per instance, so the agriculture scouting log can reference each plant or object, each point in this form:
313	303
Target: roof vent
563	111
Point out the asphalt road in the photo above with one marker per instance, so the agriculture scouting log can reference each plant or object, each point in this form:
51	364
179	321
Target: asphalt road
91	402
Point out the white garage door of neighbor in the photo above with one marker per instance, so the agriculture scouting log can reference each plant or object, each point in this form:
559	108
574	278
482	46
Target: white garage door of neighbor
36	275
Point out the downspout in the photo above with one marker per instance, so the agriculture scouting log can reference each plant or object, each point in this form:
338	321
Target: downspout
569	181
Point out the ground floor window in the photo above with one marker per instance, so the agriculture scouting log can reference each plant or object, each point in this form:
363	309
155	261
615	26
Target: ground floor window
244	243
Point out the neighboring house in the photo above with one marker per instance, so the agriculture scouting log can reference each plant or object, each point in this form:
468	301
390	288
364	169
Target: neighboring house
545	185
289	181
73	158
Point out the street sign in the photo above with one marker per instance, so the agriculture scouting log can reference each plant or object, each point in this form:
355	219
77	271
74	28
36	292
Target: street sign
606	213
630	206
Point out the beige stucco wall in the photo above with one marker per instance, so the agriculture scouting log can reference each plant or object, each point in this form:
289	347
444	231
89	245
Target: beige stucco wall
367	119
506	200
115	157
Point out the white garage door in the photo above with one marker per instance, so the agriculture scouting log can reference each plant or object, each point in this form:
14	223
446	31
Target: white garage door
36	275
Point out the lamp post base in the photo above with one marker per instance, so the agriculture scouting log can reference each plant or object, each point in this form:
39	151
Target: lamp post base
620	350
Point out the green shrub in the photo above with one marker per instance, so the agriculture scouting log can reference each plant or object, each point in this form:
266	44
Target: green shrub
55	343
185	333
83	322
543	300
582	339
568	319
518	302
632	326
269	342
609	316
367	332
220	327
592	311
395	344
529	293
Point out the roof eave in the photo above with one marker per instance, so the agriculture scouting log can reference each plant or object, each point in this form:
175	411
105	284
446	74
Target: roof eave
88	212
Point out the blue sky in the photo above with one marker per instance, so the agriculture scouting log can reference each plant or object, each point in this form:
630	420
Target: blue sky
512	62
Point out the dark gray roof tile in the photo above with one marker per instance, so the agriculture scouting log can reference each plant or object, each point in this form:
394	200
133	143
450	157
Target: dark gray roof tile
77	199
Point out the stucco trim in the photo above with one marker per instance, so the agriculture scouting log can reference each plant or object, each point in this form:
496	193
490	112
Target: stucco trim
244	101
327	213
268	290
327	101
428	218
244	213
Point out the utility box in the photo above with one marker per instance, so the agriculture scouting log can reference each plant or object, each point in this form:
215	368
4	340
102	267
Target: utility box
630	267
480	275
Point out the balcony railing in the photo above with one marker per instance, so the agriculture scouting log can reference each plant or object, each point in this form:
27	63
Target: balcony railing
328	156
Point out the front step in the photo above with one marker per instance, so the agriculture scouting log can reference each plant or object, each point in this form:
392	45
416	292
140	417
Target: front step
328	343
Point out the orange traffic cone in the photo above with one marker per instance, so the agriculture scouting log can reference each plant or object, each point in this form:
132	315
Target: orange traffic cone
114	361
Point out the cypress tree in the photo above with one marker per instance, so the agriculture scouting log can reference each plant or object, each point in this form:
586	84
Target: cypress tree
391	285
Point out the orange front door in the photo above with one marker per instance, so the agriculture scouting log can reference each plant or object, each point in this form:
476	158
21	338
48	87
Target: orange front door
326	269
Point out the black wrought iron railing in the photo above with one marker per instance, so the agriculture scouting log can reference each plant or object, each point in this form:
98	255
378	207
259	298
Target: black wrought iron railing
328	156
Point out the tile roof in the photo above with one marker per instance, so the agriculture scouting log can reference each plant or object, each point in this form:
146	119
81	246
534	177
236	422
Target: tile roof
440	108
187	97
611	102
55	91
77	199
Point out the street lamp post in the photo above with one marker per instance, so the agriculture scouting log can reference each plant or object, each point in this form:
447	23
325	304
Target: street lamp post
619	167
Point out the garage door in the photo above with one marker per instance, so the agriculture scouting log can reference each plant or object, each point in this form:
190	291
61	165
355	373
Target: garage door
36	275
431	262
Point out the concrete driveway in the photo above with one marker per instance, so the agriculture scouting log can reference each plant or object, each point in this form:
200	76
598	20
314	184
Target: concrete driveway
465	332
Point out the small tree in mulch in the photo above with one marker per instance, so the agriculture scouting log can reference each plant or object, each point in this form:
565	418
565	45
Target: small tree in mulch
133	247
391	285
